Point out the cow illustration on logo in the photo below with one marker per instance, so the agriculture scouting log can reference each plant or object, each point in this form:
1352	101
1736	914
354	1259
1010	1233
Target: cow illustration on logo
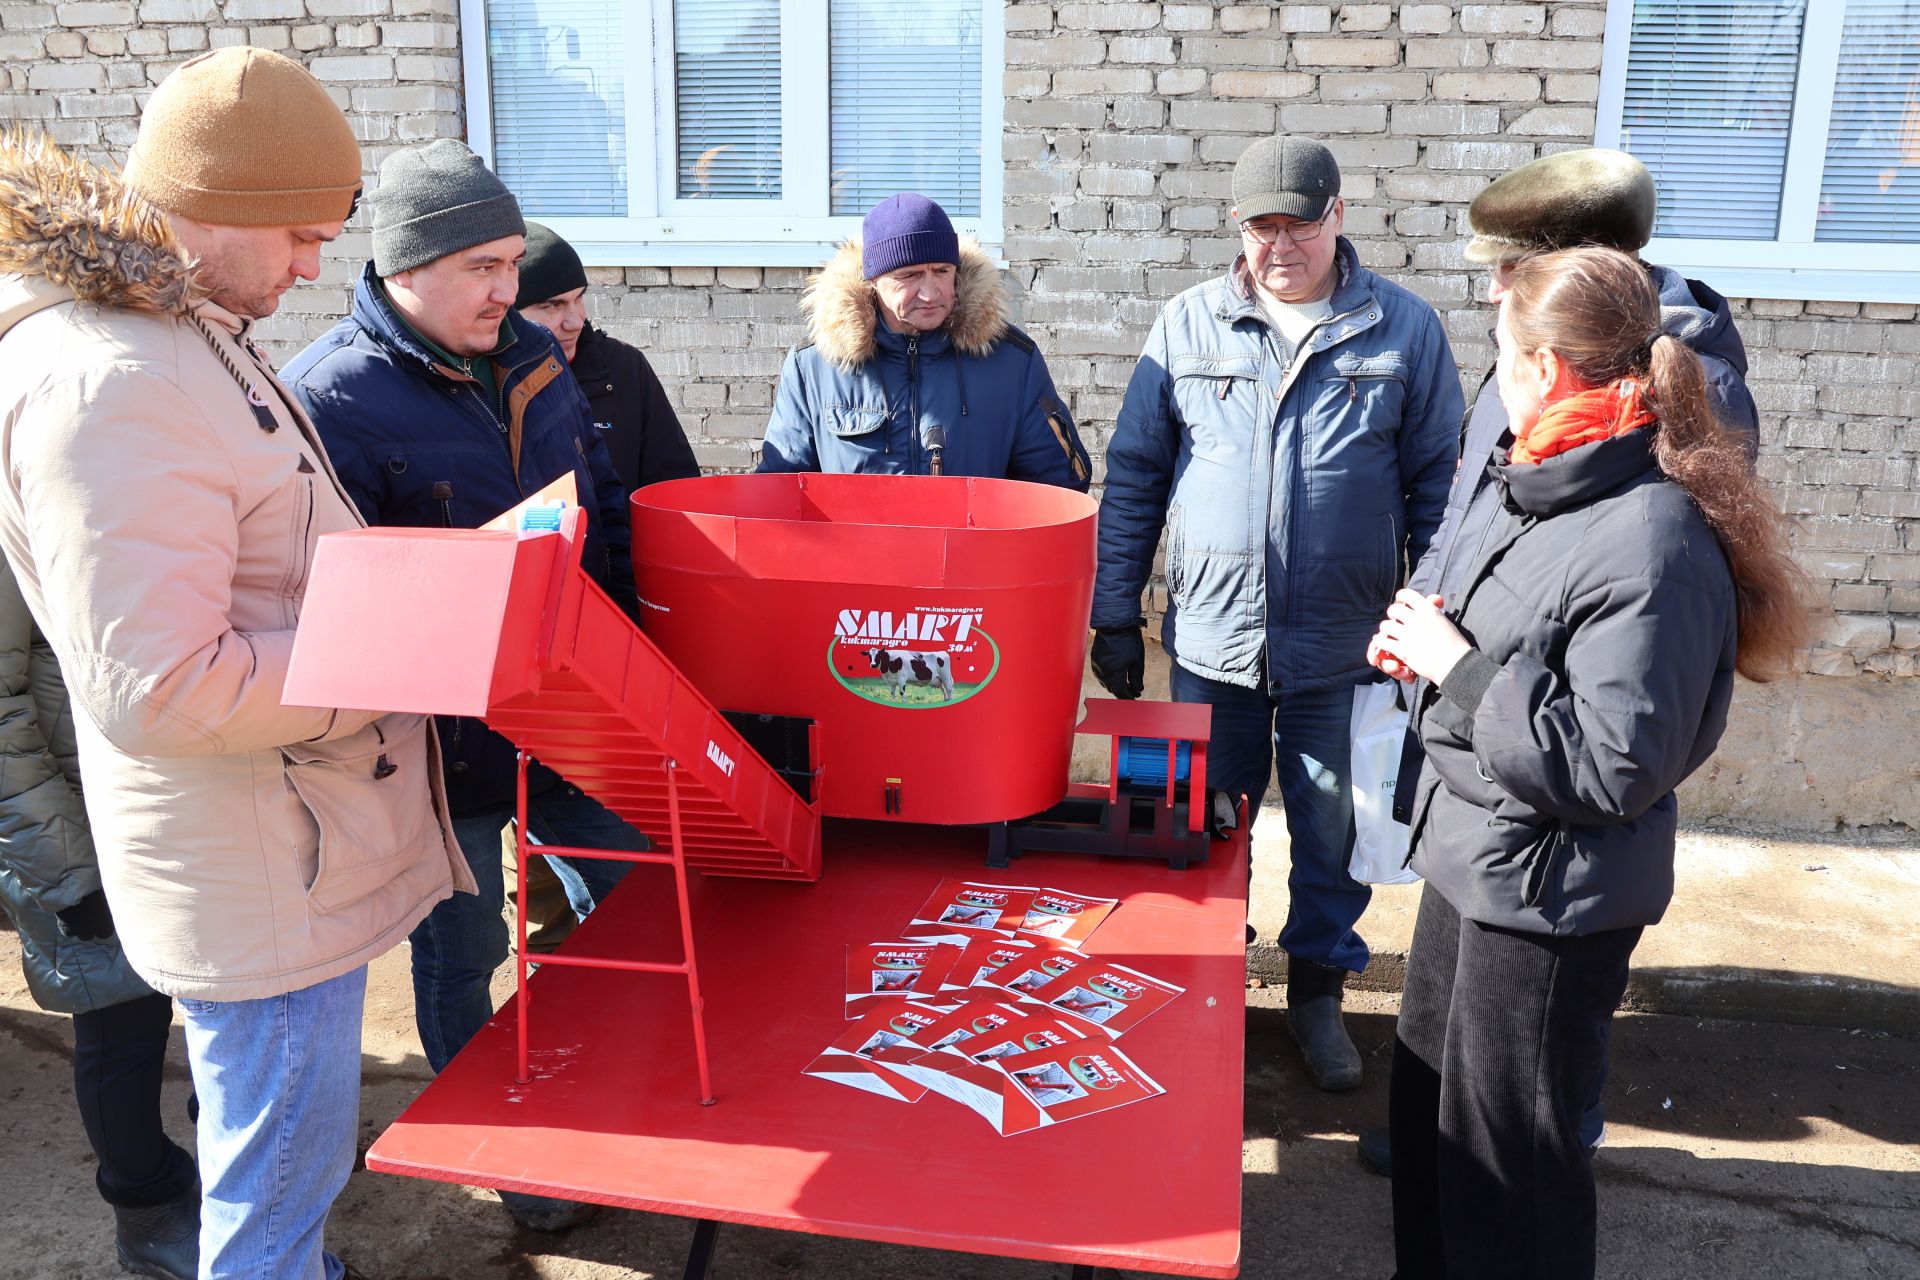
918	658
1091	1073
1111	984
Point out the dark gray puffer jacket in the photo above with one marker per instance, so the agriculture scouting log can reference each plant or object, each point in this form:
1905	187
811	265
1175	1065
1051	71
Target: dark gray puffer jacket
46	851
1602	614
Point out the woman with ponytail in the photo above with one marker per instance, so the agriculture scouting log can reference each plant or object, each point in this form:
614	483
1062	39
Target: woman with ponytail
1582	671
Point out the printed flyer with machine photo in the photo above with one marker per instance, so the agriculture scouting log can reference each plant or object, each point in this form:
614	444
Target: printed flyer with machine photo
1066	918
1045	963
984	957
1048	1086
872	1052
1110	996
986	1017
967	1041
880	973
960	911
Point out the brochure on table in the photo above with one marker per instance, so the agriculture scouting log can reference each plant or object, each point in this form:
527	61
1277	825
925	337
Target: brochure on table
1068	918
960	911
881	973
989	1001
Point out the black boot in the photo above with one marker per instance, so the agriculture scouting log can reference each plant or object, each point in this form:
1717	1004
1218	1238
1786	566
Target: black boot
1376	1150
160	1241
1314	993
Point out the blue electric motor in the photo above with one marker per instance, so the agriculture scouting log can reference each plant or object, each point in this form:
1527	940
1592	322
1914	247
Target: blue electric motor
1143	762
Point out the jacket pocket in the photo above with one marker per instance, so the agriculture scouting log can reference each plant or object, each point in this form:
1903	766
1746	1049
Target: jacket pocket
1363	372
1540	864
370	797
1220	402
299	538
852	421
1392	557
1176	550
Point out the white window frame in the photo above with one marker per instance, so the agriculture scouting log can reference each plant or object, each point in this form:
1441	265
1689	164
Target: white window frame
661	230
1793	265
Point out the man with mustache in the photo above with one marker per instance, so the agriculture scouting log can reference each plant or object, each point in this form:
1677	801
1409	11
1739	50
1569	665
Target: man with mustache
442	407
1291	426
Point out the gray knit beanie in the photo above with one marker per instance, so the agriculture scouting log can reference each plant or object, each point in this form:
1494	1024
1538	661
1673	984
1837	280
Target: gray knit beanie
436	200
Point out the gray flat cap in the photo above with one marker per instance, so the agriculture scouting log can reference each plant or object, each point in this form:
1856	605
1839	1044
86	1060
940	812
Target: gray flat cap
1291	177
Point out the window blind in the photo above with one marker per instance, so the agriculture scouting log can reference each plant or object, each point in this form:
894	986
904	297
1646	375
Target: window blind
904	95
726	67
1709	107
559	135
1871	190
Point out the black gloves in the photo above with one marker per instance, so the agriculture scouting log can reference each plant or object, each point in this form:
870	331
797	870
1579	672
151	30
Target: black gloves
1120	660
88	919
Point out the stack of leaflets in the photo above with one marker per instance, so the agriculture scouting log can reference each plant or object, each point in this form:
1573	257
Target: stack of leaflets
991	1002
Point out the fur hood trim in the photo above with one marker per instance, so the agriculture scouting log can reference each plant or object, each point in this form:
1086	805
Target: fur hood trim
71	223
841	316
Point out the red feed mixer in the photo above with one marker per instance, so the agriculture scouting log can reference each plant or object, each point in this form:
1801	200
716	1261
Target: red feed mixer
933	629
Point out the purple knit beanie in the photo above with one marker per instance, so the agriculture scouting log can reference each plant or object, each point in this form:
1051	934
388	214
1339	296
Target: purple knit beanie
904	231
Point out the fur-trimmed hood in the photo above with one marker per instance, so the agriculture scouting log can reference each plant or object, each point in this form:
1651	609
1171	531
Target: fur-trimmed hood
842	317
68	228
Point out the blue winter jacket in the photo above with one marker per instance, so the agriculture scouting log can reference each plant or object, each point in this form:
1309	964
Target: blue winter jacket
858	397
418	444
1294	496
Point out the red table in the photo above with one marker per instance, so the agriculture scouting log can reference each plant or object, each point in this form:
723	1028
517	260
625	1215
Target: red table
612	1114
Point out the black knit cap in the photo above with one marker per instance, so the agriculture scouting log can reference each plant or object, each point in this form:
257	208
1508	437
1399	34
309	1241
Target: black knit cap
550	268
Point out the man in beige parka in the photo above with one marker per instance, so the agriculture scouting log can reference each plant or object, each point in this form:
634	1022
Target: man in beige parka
160	497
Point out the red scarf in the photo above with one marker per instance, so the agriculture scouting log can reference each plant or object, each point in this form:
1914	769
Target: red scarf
1599	413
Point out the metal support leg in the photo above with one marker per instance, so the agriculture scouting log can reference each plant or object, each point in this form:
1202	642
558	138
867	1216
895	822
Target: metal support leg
700	1252
1081	1271
686	938
520	967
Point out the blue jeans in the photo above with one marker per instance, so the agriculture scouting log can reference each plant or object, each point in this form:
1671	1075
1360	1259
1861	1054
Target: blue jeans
279	1086
463	940
1310	735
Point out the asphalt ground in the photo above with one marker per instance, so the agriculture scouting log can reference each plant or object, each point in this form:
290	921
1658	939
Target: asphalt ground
1734	1149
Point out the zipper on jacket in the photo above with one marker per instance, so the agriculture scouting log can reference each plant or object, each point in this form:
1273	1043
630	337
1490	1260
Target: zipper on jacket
1353	388
500	427
297	570
1225	387
913	396
443	494
1419	699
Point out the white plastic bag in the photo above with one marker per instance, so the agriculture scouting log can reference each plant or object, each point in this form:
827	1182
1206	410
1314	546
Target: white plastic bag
1379	728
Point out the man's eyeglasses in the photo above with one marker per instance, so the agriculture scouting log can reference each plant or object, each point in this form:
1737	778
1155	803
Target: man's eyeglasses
1268	232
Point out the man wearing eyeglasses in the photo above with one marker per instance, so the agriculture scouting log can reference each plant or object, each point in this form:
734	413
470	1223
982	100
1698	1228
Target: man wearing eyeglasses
1292	425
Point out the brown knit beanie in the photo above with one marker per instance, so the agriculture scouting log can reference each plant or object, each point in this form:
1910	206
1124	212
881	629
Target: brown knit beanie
244	137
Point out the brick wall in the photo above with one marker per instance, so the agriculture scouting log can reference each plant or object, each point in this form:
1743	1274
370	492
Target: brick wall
1123	122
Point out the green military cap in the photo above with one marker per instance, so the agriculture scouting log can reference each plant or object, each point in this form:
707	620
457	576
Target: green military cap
1588	197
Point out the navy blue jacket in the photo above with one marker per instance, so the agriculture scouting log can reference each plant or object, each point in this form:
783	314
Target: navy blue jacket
1294	492
860	398
418	444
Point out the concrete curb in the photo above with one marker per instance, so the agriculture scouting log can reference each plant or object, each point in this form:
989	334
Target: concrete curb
1749	995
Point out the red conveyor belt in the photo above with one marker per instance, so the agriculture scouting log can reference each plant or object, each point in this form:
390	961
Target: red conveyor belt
507	627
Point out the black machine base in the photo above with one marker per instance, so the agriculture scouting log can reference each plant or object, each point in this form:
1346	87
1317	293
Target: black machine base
1134	826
